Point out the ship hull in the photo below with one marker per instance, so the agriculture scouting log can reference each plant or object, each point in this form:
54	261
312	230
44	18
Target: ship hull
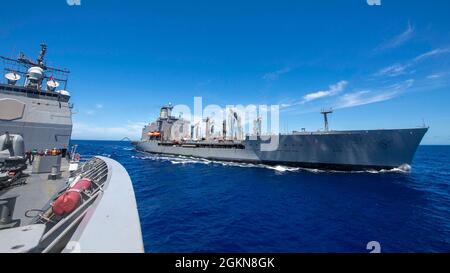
337	150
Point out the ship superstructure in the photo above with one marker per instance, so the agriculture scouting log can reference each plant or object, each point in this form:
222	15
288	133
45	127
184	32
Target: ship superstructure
34	102
325	149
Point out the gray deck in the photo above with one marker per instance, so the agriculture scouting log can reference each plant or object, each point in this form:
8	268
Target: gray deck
107	221
34	195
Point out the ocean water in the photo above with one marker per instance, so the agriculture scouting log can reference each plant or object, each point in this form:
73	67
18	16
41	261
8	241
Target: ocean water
191	205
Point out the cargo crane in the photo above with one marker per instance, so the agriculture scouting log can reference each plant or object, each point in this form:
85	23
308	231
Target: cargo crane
257	123
235	121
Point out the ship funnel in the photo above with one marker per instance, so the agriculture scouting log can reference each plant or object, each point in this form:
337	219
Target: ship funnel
34	76
52	85
166	111
12	78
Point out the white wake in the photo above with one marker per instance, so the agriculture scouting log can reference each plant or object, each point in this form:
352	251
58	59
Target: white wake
184	160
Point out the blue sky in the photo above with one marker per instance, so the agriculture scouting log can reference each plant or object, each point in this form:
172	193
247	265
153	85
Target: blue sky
382	66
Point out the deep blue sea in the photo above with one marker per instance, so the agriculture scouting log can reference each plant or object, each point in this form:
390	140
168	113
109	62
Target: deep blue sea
190	205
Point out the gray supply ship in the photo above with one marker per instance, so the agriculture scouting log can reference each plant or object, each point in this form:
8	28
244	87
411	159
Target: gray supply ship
49	200
327	149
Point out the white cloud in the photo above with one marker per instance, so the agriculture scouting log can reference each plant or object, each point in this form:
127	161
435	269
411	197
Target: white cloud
272	76
131	130
434	76
392	71
438	75
399	39
401	69
432	53
99	106
373	95
363	98
368	97
331	91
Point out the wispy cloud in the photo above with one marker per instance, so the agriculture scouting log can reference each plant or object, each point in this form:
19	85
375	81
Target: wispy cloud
99	106
363	98
368	96
434	76
331	91
272	76
401	69
438	75
372	95
432	53
398	40
392	70
375	93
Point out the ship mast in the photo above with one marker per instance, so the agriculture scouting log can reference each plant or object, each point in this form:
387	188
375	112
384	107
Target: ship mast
40	59
325	113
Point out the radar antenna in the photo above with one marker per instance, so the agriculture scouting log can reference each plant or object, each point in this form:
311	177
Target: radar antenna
22	64
40	59
325	113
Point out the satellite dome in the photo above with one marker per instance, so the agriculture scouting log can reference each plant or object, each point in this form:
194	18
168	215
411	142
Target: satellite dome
52	85
35	73
64	93
12	78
